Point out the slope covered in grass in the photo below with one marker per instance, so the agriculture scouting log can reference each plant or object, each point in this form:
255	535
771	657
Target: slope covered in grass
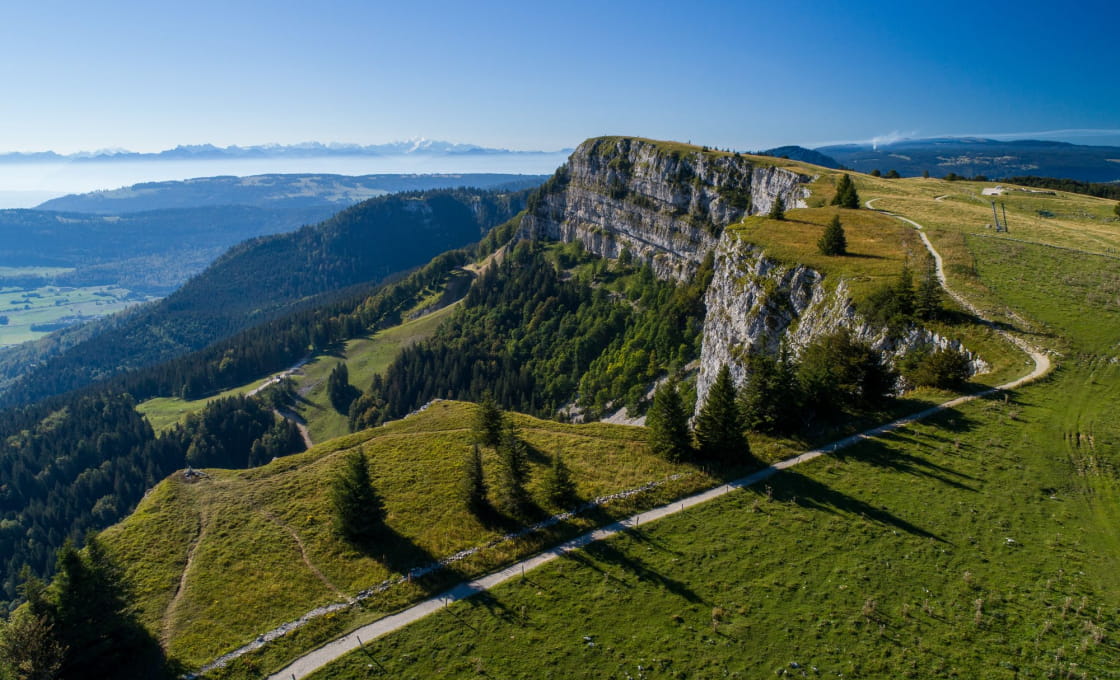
219	559
964	547
980	543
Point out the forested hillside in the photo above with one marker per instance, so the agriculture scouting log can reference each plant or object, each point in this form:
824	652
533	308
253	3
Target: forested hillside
276	191
262	278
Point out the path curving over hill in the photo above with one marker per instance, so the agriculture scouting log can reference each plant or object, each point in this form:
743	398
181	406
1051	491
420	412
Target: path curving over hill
316	659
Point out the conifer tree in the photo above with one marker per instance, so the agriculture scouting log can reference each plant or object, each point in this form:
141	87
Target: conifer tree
1116	209
778	209
905	292
927	304
846	195
339	389
511	495
473	485
667	420
358	511
92	624
833	241
769	398
489	422
719	425
559	489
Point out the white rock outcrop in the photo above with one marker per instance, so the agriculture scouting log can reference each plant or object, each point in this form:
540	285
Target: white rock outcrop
755	303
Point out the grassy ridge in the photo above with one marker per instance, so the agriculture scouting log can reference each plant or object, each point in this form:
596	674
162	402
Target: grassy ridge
892	561
981	543
249	573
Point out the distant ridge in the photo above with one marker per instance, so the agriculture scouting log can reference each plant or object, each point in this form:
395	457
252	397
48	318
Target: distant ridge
800	153
992	158
429	147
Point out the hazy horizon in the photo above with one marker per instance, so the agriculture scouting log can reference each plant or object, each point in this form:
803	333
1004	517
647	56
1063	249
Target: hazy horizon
27	184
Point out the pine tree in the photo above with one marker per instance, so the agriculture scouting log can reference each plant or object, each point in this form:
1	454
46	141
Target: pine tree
92	622
339	389
473	485
833	241
559	489
489	422
846	195
905	293
769	398
511	495
719	425
358	511
927	305
667	420
778	209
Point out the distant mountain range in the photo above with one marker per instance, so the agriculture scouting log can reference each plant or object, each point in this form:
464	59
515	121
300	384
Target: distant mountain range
968	157
428	147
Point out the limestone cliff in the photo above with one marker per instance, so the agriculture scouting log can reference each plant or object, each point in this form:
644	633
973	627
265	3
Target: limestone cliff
668	205
665	203
757	303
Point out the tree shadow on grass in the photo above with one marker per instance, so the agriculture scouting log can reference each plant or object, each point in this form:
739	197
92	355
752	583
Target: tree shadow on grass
792	487
880	453
601	556
401	555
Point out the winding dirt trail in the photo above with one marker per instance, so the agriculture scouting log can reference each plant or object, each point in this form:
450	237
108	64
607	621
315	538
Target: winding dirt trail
303	556
173	606
316	659
1041	361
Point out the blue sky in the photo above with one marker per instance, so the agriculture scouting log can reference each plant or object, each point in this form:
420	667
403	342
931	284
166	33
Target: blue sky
530	75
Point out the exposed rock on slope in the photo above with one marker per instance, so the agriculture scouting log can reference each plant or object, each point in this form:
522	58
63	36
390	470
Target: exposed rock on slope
665	203
756	303
668	204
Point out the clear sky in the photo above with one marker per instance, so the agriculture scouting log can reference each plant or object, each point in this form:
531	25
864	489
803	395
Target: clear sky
150	75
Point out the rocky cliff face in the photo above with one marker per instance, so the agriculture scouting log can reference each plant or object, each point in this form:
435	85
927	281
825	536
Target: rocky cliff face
667	204
755	303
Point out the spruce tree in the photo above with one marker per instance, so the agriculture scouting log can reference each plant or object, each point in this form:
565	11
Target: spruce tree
905	293
846	195
511	495
339	389
833	241
719	425
667	421
473	485
769	398
559	489
927	305
778	209
489	422
358	511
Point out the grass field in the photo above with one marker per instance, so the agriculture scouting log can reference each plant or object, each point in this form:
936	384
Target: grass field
51	307
364	357
262	552
164	412
969	546
981	543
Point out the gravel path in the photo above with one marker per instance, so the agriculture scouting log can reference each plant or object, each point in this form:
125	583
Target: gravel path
316	659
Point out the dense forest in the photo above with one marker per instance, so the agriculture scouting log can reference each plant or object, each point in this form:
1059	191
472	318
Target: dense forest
263	278
545	325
